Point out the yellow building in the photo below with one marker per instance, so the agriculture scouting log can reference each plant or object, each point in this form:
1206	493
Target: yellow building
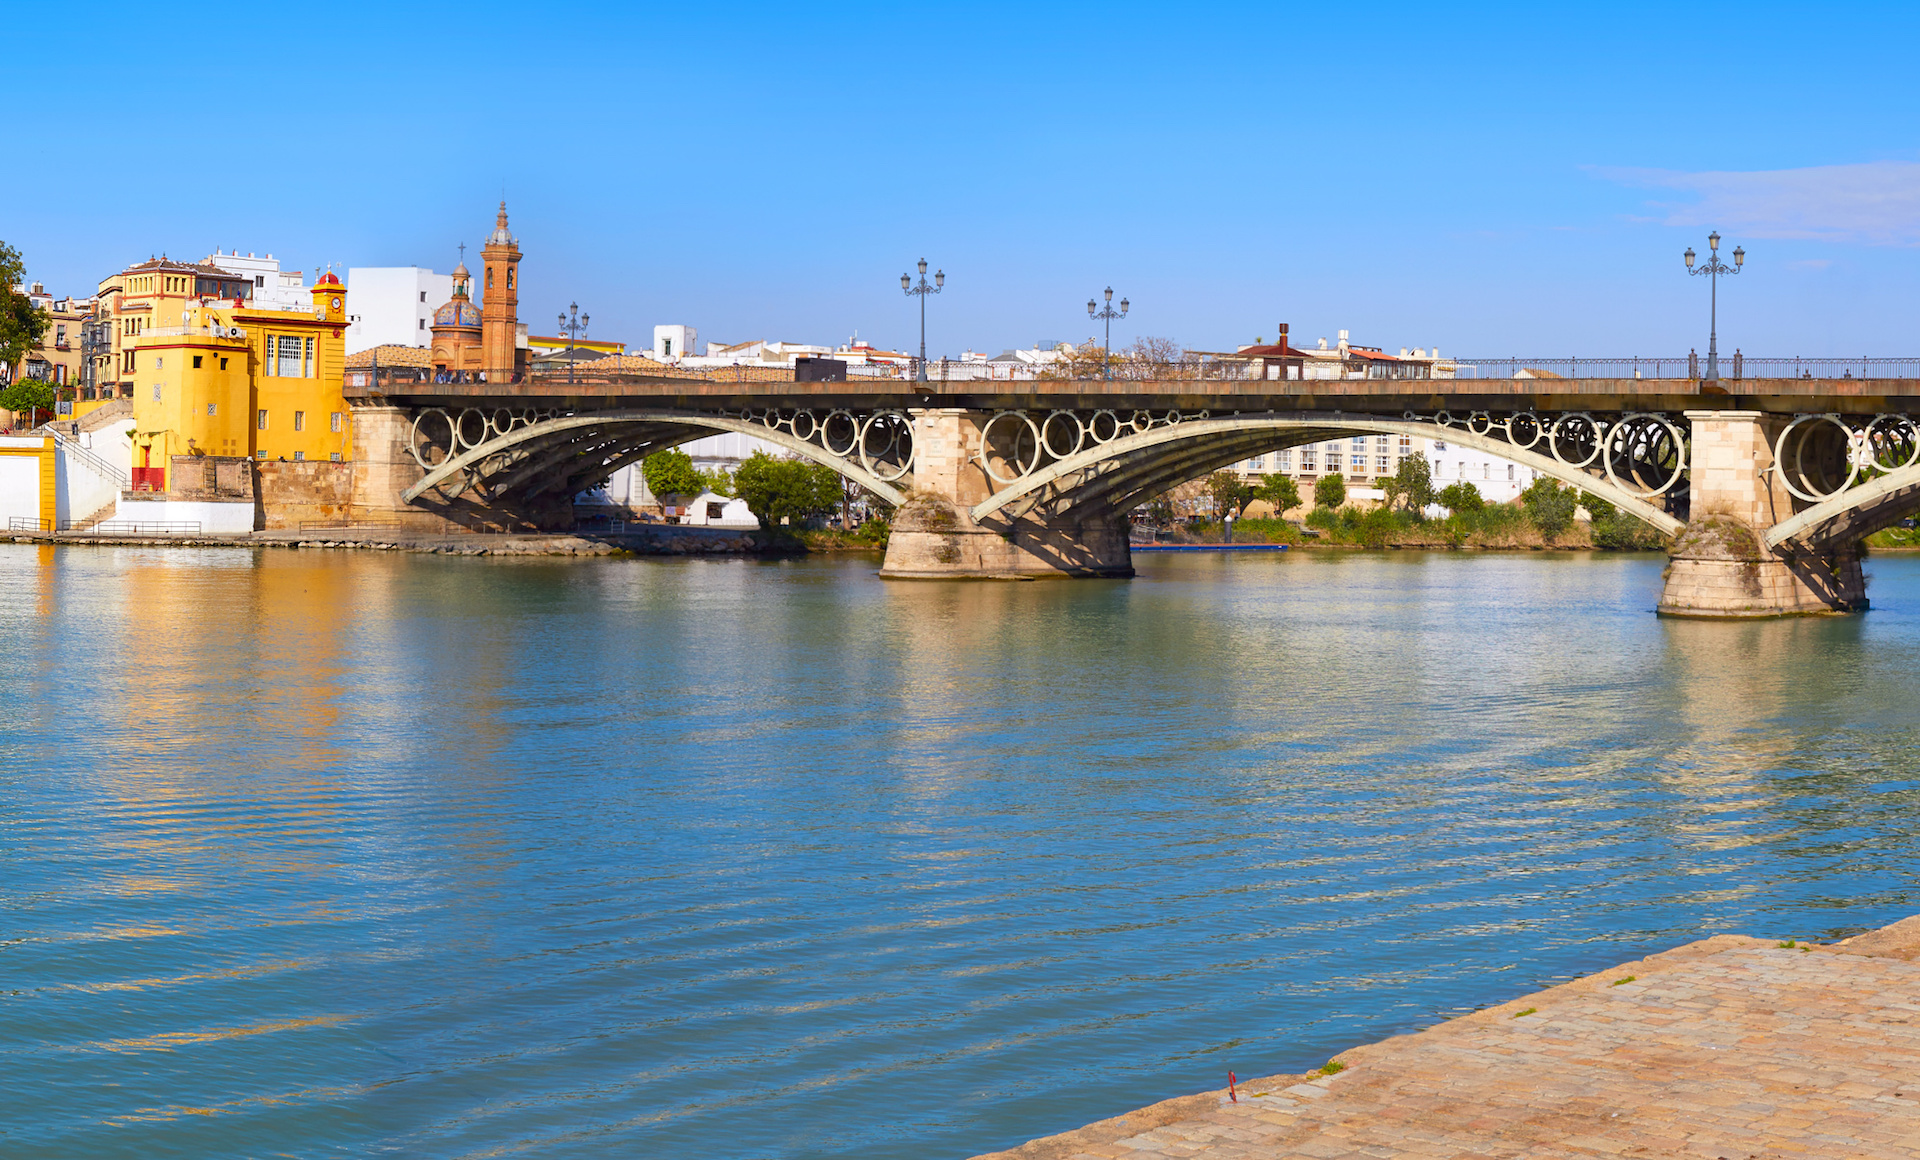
214	376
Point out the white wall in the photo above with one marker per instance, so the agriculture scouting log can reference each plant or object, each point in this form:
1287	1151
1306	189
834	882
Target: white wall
19	483
395	305
80	490
274	288
682	339
216	518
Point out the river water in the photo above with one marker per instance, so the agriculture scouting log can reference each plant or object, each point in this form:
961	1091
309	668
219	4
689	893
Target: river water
347	854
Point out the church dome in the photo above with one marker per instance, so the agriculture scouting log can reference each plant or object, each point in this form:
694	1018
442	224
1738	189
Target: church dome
460	272
458	312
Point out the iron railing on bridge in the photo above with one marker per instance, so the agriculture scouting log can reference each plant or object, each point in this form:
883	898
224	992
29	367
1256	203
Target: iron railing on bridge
1736	367
1226	368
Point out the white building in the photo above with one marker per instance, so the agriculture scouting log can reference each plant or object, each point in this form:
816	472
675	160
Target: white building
674	341
394	305
273	288
1498	480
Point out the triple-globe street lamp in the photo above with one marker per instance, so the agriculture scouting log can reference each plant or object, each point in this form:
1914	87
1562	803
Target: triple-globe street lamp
573	328
1713	268
1109	314
921	291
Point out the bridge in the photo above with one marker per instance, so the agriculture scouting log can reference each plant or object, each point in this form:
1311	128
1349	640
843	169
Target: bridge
1765	494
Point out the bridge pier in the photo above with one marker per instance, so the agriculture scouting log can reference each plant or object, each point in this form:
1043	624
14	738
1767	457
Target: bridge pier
1721	568
935	536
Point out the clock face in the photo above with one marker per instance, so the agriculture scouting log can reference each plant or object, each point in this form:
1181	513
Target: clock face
336	303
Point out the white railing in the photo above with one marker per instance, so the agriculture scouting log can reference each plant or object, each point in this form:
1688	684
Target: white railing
99	466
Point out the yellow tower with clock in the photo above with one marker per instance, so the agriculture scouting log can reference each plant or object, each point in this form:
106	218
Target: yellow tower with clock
228	380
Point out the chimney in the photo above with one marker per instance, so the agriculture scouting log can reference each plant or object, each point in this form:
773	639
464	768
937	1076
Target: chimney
1282	340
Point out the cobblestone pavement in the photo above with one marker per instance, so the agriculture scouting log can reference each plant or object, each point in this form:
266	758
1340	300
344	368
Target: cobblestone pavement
1730	1048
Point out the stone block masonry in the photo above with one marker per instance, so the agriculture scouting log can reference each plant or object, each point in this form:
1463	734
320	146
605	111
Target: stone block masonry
1727	1047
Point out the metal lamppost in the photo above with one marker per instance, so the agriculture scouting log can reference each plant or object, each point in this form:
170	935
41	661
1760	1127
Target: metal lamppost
921	291
573	328
1109	314
1713	268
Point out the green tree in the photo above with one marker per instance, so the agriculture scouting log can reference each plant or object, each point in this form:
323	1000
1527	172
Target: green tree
1411	484
789	489
1330	491
1549	505
671	472
20	324
1281	492
719	481
1230	493
1461	498
27	397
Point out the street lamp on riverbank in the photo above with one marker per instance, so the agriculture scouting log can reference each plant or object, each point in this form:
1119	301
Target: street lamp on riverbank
1109	314
1713	268
921	291
573	328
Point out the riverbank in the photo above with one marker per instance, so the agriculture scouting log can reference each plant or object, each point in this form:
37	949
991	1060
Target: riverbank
1727	1046
638	540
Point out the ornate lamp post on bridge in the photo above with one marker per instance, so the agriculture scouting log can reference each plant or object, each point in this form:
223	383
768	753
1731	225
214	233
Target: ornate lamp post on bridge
1108	314
1713	268
573	328
921	291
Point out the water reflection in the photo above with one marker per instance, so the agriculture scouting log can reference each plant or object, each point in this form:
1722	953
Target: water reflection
338	853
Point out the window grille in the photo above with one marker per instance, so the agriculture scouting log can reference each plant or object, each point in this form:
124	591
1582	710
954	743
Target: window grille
263	419
299	420
287	356
299	456
335	421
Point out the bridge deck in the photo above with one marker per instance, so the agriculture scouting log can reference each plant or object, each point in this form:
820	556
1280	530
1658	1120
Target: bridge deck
1380	396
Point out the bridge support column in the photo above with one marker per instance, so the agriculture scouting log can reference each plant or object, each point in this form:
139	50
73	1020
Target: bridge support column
1721	568
935	536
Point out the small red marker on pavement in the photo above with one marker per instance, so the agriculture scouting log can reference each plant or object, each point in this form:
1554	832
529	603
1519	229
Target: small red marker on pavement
1231	1093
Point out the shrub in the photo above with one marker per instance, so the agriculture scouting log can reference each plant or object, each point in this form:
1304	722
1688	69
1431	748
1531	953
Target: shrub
1330	491
1411	484
1462	497
1549	506
671	472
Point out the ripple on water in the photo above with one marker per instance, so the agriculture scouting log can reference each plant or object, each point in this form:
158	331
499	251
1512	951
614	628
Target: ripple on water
349	856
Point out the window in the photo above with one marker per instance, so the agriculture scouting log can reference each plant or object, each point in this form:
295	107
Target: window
299	420
260	454
299	456
60	335
213	408
1284	460
1509	473
423	295
1359	442
159	364
285	350
308	367
223	364
666	347
260	280
1380	464
489	277
262	421
1257	463
156	392
423	322
196	362
1306	460
1406	445
1486	471
335	457
336	421
1333	461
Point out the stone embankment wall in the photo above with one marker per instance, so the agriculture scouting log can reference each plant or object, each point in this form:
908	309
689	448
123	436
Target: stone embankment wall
294	494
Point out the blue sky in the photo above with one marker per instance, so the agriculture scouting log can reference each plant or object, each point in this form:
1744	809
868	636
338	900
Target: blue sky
1494	179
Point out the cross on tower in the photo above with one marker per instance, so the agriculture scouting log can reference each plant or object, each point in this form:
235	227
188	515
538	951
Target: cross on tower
463	253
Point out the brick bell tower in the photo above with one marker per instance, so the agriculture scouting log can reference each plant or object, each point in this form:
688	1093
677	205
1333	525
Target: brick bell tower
500	302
